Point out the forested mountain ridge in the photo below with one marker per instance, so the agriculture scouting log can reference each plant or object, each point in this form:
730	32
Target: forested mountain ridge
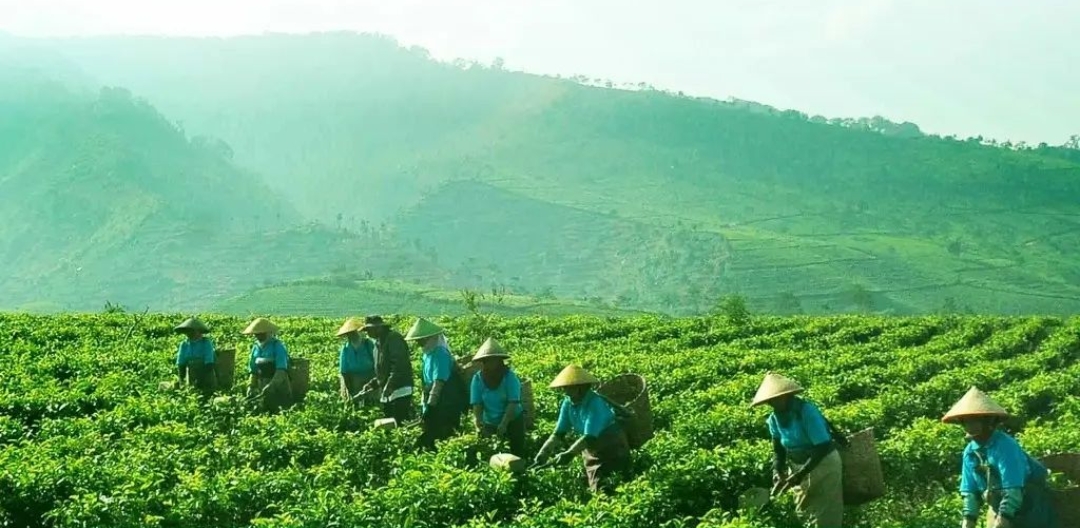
813	214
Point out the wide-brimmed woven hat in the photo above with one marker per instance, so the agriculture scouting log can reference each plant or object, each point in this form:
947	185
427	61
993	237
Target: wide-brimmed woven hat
490	349
193	324
261	325
974	403
423	328
773	386
373	321
351	325
573	375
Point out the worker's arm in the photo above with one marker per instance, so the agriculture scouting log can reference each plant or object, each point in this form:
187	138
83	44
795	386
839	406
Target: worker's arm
779	468
550	445
575	449
508	416
181	372
436	392
817	454
478	416
972	505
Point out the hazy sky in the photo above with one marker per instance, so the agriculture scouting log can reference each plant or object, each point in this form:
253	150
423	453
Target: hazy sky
1001	68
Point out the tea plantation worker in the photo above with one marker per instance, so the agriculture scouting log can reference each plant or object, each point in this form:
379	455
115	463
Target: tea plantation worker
495	396
393	369
805	456
356	362
268	366
602	441
444	397
996	470
195	357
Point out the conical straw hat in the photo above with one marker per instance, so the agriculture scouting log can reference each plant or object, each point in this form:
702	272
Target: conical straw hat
192	323
490	348
573	375
774	385
352	324
423	328
260	326
974	403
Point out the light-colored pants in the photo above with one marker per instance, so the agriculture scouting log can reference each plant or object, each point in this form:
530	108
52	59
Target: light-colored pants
819	498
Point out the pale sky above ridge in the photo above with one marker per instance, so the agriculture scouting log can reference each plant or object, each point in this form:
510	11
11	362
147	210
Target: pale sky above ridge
1000	68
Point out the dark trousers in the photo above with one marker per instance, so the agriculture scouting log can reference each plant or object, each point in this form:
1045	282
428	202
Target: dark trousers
400	409
441	423
515	435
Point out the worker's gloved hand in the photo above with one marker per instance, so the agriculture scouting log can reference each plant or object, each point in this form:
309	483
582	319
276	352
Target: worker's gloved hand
502	428
969	522
563	458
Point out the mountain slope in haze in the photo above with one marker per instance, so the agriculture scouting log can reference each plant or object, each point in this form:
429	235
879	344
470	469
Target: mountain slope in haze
820	215
102	199
555	249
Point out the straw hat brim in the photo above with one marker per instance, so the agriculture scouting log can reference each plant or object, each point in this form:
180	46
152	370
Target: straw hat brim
490	349
260	326
193	325
974	404
422	329
774	386
351	325
571	376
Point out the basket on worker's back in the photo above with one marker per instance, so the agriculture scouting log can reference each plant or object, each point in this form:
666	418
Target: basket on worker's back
468	369
1066	500
863	478
630	392
527	404
299	377
225	368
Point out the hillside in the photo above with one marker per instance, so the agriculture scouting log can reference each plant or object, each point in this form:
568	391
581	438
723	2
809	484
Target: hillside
819	215
103	200
556	250
341	296
87	437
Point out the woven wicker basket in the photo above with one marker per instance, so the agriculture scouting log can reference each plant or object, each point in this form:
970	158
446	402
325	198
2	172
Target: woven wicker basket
527	404
1066	501
225	368
863	478
299	377
631	391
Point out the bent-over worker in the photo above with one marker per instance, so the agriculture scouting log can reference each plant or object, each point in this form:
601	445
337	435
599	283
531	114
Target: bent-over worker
268	366
495	396
444	397
805	456
195	357
996	470
356	363
602	441
393	369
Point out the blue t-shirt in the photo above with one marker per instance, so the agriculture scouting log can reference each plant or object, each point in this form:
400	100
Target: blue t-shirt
1008	460
358	361
589	418
273	349
199	349
495	400
805	427
436	365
